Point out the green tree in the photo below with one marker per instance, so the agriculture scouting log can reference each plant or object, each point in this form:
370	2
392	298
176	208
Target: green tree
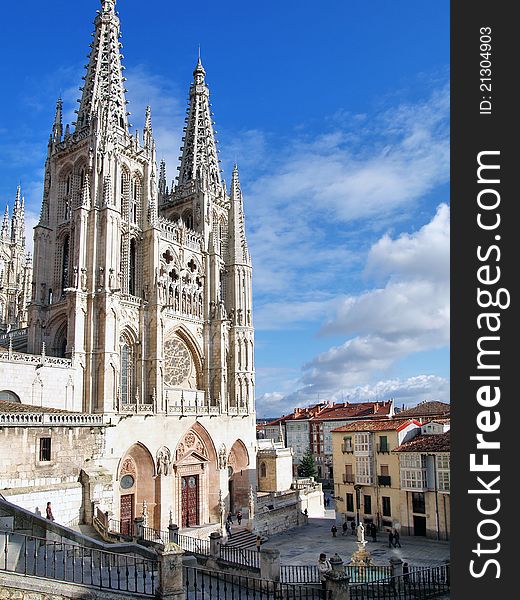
307	466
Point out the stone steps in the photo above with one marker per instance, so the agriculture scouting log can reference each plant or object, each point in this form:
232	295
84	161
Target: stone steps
242	538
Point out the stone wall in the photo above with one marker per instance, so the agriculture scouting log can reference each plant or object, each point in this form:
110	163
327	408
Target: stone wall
20	587
279	519
38	383
31	483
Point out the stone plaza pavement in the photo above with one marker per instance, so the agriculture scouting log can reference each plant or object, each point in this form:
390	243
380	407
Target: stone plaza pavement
302	546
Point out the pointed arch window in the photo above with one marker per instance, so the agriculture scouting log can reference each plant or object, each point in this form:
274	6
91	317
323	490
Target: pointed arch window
135	197
263	470
65	264
132	261
127	375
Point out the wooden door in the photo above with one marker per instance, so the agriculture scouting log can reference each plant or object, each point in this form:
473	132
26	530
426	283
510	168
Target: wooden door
190	500
127	514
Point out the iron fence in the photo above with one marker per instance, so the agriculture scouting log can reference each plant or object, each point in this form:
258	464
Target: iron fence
193	545
201	584
418	584
65	561
240	556
310	574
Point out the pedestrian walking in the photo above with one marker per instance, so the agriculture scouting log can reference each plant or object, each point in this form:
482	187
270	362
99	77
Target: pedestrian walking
396	539
345	528
228	530
324	567
334	530
258	542
239	517
353	527
391	539
230	518
373	532
306	512
48	512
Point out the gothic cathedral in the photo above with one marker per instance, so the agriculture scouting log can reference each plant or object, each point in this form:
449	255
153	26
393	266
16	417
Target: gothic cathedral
141	309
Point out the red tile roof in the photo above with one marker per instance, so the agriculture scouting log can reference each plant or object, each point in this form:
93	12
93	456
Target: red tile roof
426	409
16	407
427	443
372	425
355	410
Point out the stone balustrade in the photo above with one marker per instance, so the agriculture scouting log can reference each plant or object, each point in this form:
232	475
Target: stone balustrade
40	419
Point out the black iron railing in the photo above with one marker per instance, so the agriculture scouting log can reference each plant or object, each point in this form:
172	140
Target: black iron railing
193	545
383	449
155	535
64	561
418	584
384	480
240	556
348	478
310	573
211	585
347	448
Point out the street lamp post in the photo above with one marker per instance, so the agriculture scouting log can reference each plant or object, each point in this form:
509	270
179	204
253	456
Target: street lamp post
358	502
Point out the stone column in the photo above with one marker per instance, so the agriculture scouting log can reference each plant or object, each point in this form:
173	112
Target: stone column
173	533
215	540
170	573
270	564
396	564
337	583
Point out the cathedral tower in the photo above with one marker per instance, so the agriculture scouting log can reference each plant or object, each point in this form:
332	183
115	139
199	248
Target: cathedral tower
147	288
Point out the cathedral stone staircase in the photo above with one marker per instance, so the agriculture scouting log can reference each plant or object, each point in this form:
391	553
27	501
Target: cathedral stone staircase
242	538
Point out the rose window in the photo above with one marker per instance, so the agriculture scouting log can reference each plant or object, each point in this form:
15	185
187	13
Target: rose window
177	360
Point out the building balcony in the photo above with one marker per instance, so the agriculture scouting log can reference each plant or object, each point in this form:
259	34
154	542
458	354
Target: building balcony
384	480
383	449
347	448
348	478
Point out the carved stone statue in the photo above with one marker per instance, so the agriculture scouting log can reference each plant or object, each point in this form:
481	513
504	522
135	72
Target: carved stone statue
361	533
221	509
164	461
222	457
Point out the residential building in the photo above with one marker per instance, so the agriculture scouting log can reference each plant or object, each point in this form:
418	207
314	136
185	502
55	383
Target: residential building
367	478
324	422
425	411
424	467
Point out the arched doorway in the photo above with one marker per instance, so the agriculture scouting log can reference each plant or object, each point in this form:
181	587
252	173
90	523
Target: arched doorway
238	473
196	484
137	495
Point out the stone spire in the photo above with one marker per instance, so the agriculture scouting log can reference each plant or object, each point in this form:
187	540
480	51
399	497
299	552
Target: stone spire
104	89
18	220
147	131
237	248
199	159
162	180
57	128
5	225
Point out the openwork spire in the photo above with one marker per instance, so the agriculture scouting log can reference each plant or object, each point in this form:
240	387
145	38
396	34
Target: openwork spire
5	224
238	249
199	159
57	128
104	89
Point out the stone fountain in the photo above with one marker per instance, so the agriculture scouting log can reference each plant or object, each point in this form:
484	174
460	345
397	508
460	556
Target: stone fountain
361	557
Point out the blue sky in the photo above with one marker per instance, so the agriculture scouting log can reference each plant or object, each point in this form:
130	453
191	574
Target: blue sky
337	114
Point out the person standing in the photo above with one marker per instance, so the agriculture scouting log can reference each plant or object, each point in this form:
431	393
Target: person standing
258	542
373	532
48	512
345	528
324	567
353	527
334	530
228	529
239	517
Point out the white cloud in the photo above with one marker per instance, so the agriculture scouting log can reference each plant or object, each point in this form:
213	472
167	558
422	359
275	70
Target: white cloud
409	314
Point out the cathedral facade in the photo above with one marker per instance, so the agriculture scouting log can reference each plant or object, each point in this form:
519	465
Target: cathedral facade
141	308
